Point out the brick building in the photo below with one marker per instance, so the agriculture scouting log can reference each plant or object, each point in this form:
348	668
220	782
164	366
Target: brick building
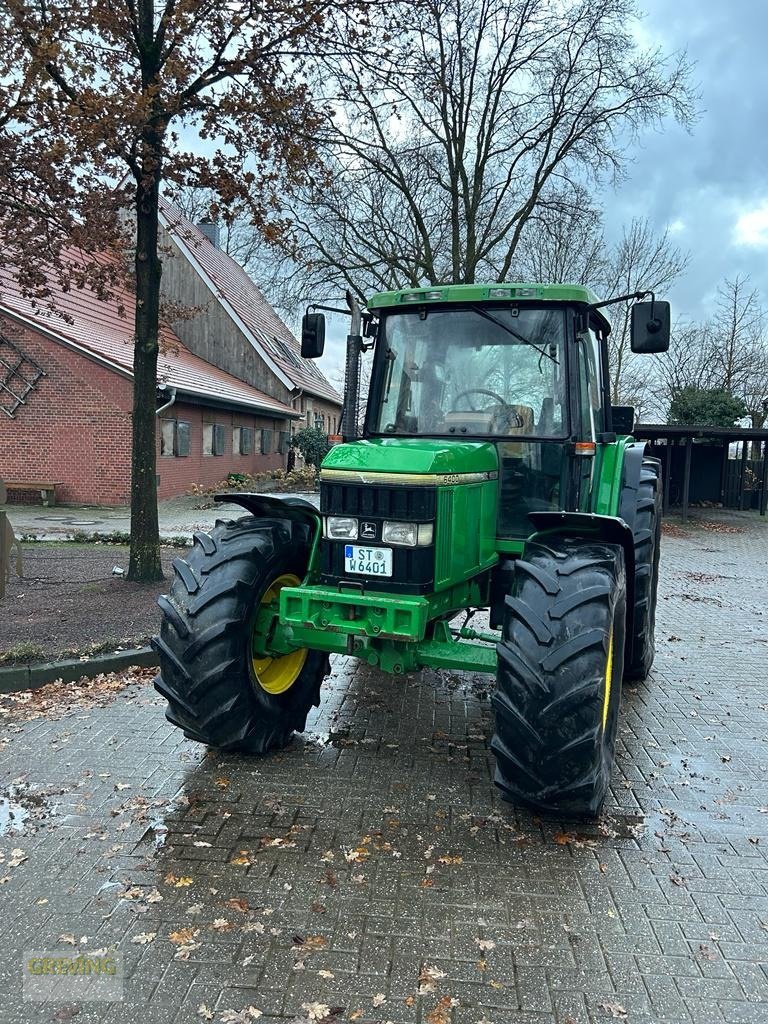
73	426
231	381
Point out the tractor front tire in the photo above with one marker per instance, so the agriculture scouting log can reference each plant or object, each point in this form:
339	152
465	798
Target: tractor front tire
647	535
559	675
218	691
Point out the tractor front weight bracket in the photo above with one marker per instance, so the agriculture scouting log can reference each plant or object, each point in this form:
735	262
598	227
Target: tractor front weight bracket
367	632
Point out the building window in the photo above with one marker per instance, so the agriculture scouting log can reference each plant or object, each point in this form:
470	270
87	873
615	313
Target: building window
174	438
213	439
242	441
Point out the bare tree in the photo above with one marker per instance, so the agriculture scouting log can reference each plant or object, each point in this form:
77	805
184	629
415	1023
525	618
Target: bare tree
572	248
640	261
687	364
475	115
728	352
563	246
737	345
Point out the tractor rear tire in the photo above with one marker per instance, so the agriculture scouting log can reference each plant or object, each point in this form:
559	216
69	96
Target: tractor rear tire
207	666
559	674
647	535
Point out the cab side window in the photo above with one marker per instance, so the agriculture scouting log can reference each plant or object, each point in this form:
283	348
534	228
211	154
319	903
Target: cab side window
591	413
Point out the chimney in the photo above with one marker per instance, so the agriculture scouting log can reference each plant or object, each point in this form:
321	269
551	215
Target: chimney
210	230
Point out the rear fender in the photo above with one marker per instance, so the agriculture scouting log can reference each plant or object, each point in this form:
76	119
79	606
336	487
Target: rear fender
634	454
610	529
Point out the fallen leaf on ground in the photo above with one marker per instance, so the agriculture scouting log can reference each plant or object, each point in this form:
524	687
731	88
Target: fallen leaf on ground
485	944
69	938
184	936
441	1014
428	978
379	999
204	1012
179	882
221	924
614	1009
237	904
253	926
143	938
452	859
316	1011
563	838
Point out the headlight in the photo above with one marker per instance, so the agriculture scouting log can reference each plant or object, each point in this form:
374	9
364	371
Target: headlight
407	535
341	528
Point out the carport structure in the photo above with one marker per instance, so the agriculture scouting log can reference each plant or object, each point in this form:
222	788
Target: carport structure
718	477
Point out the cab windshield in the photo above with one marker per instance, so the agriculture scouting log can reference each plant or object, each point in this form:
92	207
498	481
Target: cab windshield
472	371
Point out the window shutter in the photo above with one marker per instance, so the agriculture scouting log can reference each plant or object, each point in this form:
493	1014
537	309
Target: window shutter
266	442
182	438
218	439
246	440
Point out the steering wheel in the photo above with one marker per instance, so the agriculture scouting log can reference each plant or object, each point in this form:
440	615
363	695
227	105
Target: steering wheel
508	410
477	391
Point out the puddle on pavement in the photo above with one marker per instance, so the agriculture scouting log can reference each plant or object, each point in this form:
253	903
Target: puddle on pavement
22	810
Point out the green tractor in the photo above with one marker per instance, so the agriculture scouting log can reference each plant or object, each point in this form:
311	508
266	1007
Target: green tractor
492	476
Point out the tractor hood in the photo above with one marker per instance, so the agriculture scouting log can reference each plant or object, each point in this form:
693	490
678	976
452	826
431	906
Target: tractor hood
409	457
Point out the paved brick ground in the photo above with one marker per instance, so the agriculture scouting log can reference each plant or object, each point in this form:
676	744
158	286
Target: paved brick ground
373	860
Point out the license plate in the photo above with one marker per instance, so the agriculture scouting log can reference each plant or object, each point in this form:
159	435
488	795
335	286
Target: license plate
368	561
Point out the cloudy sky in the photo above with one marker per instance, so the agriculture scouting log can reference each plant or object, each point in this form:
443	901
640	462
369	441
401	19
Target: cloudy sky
709	186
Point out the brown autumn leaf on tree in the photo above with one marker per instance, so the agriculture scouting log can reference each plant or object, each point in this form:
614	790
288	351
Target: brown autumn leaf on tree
101	104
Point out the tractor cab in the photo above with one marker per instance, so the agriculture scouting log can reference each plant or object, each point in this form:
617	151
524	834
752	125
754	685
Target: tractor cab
520	367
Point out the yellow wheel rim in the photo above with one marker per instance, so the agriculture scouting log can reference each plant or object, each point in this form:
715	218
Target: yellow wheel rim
608	675
276	675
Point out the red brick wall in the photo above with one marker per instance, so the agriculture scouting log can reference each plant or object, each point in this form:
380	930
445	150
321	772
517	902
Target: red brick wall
177	474
75	427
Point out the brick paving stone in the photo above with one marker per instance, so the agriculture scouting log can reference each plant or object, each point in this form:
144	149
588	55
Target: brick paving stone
660	907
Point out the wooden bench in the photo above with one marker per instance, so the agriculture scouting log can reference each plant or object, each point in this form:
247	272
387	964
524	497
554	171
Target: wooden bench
46	488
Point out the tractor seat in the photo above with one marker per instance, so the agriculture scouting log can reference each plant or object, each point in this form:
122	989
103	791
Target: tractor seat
512	419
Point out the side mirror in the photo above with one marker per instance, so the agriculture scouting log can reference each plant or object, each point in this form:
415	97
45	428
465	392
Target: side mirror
312	335
650	327
623	418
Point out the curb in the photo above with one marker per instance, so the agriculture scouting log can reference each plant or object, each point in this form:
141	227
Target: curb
31	677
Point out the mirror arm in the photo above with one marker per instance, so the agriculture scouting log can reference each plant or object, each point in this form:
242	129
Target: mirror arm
328	309
624	298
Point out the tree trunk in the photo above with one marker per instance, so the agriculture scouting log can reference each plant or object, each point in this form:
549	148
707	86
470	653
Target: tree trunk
145	565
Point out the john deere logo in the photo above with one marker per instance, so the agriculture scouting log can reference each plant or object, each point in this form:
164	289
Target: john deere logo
368	531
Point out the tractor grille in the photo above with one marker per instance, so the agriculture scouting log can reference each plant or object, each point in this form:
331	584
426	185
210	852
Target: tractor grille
402	504
413	569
